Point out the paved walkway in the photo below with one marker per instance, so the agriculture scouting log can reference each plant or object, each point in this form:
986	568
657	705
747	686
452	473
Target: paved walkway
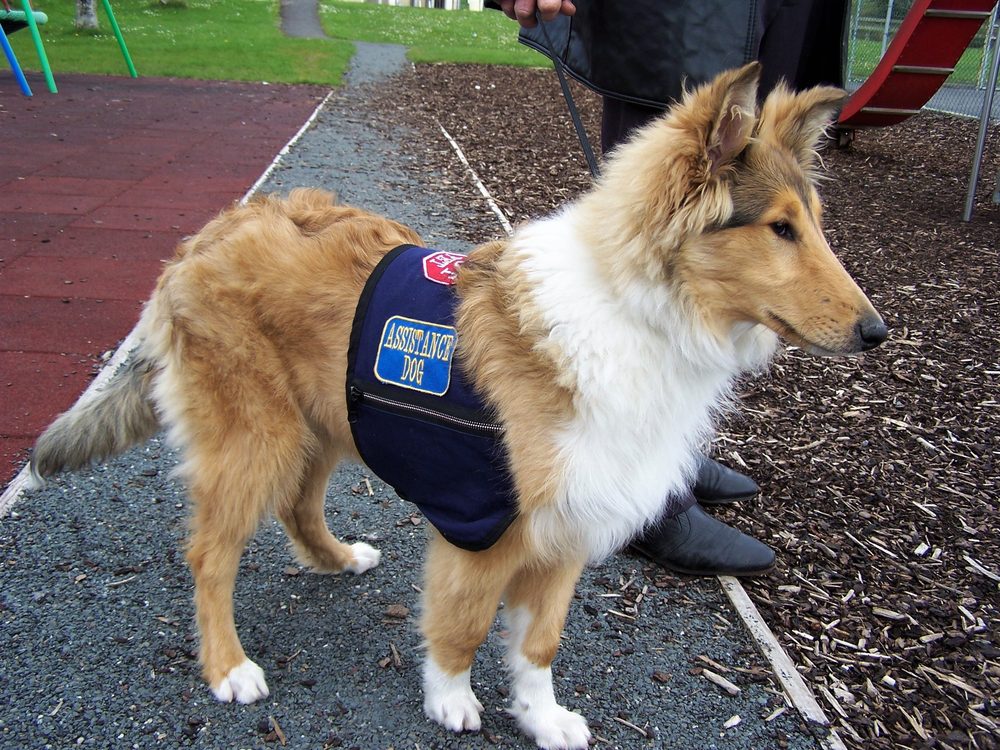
97	184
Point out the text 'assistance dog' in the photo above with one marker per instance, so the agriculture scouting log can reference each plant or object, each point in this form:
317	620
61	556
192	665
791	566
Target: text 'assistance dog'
592	351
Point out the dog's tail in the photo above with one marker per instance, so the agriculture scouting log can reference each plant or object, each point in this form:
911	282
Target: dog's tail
100	425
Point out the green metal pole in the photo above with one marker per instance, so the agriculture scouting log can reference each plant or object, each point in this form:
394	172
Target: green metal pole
39	47
119	37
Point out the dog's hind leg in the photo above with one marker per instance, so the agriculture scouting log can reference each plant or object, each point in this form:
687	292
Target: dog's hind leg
305	522
537	601
232	491
245	450
461	594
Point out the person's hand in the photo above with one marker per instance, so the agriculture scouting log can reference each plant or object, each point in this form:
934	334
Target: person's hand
523	11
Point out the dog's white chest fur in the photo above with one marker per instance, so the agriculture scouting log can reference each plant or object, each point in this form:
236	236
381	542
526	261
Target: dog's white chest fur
646	383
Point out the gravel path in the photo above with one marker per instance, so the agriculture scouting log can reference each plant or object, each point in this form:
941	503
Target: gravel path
300	18
97	635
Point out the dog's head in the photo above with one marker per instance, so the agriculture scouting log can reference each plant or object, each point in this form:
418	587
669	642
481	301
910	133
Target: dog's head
730	215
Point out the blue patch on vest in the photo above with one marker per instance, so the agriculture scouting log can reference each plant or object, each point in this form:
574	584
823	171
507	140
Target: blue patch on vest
417	421
416	354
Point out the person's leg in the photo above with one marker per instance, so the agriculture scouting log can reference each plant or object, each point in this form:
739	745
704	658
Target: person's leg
690	541
619	119
802	45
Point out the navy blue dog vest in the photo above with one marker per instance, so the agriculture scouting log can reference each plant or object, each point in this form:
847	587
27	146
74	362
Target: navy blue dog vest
417	421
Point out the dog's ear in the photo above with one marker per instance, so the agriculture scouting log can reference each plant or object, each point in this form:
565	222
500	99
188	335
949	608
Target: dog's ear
798	121
732	98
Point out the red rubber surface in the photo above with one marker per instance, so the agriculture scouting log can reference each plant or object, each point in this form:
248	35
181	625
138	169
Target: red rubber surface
97	185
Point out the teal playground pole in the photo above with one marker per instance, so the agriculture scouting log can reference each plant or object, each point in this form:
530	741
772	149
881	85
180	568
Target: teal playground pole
37	39
119	37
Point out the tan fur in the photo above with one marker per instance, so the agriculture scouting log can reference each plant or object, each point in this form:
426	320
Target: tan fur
236	322
96	429
530	396
247	335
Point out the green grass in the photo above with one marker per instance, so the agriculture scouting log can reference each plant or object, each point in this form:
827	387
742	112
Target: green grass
237	40
432	35
240	40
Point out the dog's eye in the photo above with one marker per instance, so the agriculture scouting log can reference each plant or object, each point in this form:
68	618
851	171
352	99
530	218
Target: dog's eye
783	229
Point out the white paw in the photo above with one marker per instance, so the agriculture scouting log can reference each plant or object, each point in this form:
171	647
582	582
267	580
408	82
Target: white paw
554	727
449	700
245	683
366	557
458	712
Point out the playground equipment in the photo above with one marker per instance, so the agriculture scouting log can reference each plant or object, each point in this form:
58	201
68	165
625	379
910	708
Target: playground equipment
106	4
928	44
14	65
923	53
12	20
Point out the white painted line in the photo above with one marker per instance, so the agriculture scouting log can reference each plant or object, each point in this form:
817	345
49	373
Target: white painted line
19	483
795	687
13	492
504	222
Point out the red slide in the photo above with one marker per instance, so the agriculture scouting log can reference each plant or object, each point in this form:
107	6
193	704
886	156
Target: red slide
931	39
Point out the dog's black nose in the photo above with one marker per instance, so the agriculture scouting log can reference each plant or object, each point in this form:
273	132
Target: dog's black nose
872	332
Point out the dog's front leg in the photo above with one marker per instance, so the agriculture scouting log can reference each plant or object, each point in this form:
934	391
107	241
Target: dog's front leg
461	594
537	601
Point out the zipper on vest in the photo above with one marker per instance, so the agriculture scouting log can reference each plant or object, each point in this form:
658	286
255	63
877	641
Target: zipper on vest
431	415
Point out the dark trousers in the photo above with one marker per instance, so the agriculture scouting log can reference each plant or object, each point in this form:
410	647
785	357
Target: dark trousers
619	119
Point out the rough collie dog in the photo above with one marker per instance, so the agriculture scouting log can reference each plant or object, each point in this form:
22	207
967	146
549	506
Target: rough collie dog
601	339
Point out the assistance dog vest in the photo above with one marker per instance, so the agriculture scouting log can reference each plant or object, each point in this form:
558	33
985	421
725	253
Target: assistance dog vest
417	421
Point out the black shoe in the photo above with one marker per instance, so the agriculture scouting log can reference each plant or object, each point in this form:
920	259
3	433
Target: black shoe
719	485
697	544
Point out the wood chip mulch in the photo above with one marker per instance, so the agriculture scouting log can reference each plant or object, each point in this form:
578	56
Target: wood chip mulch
879	474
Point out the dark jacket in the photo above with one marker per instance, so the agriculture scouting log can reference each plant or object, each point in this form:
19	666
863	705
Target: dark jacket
643	51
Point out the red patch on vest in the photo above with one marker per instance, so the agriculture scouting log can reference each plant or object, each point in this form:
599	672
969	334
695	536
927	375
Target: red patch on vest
442	267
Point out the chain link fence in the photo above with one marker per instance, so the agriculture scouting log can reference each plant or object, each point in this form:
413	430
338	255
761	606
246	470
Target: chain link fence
872	26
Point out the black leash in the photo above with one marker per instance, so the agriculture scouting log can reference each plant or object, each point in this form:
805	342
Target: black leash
581	133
